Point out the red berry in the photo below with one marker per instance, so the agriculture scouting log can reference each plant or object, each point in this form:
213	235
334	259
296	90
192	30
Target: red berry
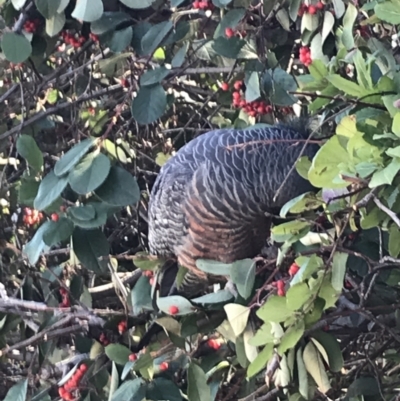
173	310
280	284
83	368
320	5
281	292
260	109
68	397
124	83
267	109
214	344
242	103
229	32
312	10
225	86
236	95
203	5
55	216
164	366
148	273
196	5
252	113
132	357
293	269
238	85
61	392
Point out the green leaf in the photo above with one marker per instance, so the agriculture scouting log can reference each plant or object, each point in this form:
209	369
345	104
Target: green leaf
183	305
297	296
218	297
131	390
17	392
89	173
386	175
315	367
88	10
149	104
36	245
237	316
243	275
346	86
48	8
198	389
228	48
338	270
16	47
396	124
108	22
348	22
27	191
50	189
252	82
302	374
121	39
318	69
137	4
55	24
58	231
214	267
274	310
29	150
302	203
155	76
102	211
161	388
155	35
179	56
394	241
290	231
141	296
89	246
261	361
332	348
291	337
388	11
325	166
327	29
119	189
67	162
83	212
118	353
339	8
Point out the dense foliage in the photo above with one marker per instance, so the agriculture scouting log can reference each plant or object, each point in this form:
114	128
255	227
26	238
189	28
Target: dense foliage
95	96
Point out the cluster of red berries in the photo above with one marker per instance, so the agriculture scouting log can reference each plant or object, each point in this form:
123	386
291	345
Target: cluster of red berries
65	303
70	39
203	5
214	344
293	269
254	108
230	32
104	340
31	26
72	384
32	216
312	9
280	284
305	55
122	326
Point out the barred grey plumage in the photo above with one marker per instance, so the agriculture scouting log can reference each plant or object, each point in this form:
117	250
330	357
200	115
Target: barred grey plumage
209	200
